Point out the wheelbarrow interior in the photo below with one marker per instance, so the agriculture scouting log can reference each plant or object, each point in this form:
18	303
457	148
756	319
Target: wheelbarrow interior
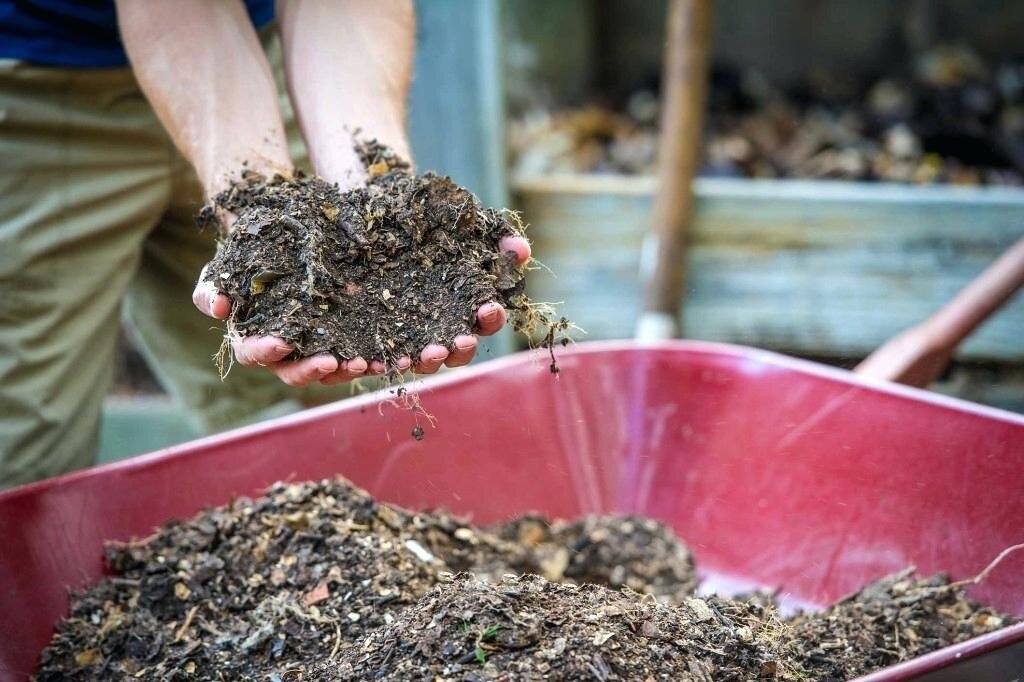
776	472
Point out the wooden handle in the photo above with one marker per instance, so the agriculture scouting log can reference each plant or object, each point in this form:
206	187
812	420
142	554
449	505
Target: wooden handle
979	299
919	355
684	92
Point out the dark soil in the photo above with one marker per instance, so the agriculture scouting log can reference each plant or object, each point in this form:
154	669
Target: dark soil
528	628
894	619
248	589
318	581
615	551
377	272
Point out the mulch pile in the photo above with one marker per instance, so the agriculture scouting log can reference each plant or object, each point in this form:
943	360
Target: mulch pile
318	581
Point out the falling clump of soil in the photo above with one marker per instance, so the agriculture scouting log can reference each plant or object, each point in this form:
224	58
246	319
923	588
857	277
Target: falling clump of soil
318	581
377	272
528	628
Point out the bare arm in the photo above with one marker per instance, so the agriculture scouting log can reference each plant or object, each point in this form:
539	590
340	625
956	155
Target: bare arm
202	67
349	63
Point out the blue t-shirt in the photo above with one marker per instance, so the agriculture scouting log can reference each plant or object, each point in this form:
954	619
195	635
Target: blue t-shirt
76	32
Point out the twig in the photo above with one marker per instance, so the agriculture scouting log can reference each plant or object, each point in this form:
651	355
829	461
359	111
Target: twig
180	634
337	642
991	567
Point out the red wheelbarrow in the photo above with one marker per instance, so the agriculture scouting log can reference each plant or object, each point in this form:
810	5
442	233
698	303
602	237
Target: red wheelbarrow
776	472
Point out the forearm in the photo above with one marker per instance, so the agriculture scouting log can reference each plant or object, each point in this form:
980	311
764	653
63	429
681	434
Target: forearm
349	64
203	69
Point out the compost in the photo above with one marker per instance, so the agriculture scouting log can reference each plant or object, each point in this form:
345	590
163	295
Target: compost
526	627
318	581
950	119
377	272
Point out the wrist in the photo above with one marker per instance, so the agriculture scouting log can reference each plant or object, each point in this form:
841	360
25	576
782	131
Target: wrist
230	167
338	161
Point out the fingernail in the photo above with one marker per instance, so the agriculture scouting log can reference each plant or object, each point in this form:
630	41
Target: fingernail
465	344
213	300
282	348
324	371
491	314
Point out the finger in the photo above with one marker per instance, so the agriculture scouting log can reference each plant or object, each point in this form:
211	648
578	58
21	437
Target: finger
299	373
517	245
465	348
210	301
490	318
252	351
347	371
431	359
379	367
356	367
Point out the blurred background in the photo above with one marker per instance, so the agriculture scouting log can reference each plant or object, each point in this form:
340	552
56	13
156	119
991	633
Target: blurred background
862	161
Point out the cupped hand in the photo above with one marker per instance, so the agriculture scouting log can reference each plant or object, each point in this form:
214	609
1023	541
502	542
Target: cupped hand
271	352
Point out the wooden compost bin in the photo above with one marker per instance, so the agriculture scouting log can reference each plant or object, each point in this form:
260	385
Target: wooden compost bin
823	269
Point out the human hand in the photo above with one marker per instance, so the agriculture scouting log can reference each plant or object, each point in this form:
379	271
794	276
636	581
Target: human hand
272	352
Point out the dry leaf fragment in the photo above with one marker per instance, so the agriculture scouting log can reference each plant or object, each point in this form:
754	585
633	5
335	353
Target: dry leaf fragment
421	552
554	564
318	594
330	211
988	621
700	609
378	169
181	591
87	657
297	520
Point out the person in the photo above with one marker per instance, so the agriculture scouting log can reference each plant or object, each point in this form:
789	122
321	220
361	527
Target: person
117	121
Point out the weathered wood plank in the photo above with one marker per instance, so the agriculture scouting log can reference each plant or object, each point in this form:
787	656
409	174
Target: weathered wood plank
808	267
456	105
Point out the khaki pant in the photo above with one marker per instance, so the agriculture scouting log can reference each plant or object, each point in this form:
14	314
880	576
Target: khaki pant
96	209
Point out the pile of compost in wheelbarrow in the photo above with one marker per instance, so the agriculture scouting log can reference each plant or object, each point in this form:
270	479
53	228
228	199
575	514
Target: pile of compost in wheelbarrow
377	272
318	581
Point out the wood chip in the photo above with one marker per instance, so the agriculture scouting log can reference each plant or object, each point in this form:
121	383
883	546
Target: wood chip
318	594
